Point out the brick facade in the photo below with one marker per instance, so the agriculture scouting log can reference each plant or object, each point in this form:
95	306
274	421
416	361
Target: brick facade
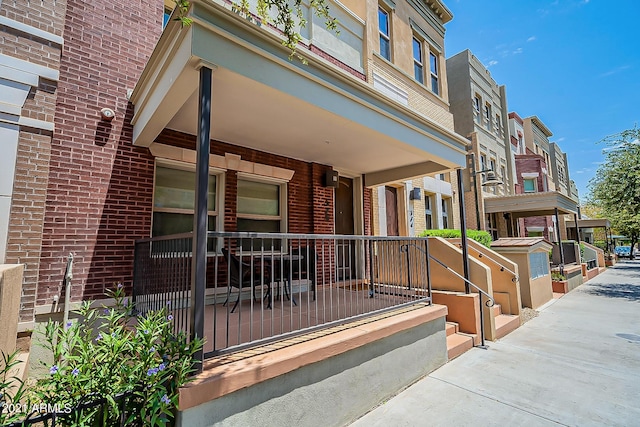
24	234
97	198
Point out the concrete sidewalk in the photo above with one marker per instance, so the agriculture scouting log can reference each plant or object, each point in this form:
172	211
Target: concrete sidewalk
576	364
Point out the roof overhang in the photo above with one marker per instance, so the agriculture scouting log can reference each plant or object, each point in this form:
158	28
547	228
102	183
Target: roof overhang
590	223
520	244
532	204
265	101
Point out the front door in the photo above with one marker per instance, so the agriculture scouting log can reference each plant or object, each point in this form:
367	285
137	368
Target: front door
391	197
344	224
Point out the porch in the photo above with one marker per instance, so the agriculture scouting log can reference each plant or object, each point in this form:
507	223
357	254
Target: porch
262	288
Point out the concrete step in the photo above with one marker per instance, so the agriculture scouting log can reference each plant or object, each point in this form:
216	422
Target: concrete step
497	310
452	328
506	323
458	344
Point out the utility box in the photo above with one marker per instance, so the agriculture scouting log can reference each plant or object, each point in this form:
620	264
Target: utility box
532	256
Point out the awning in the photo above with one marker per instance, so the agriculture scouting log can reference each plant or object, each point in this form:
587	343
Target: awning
265	101
532	204
590	223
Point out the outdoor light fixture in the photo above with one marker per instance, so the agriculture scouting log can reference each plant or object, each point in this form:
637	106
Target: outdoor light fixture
107	114
489	180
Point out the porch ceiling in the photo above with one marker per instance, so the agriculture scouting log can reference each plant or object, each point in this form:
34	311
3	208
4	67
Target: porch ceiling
264	101
532	204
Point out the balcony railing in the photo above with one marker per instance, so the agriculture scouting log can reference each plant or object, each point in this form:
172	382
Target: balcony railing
267	287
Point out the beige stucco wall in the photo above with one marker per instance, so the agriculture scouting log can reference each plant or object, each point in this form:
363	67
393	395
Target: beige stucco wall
399	71
506	290
10	289
444	280
533	293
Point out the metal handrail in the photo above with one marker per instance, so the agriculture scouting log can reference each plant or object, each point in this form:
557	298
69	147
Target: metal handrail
514	279
489	303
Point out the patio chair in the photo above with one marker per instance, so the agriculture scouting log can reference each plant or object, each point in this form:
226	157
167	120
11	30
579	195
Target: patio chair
242	275
305	268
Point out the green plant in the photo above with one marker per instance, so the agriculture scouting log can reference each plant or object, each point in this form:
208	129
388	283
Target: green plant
12	389
556	276
479	236
109	352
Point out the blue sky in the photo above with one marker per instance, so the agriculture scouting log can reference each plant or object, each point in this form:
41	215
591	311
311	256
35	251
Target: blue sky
573	63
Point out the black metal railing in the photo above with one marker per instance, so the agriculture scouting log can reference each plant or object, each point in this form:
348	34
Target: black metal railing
265	287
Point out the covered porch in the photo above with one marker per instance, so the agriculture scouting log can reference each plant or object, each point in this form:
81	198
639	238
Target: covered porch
282	155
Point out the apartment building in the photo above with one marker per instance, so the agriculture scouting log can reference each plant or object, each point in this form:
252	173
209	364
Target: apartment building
103	119
479	107
541	167
406	61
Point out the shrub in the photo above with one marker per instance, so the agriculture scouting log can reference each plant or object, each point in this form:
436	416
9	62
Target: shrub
111	352
12	389
556	276
479	236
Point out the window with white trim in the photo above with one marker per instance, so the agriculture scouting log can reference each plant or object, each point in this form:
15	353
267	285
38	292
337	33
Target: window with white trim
385	33
445	213
433	67
529	185
418	66
428	203
174	198
476	108
487	116
260	208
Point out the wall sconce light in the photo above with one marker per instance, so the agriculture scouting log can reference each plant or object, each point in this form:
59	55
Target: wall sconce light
414	194
107	114
331	179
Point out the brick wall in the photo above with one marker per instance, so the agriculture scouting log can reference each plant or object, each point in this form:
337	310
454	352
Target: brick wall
24	237
27	212
98	200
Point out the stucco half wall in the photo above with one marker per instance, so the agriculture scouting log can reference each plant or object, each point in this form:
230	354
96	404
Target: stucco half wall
328	381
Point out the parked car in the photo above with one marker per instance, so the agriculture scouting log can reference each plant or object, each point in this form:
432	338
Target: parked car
623	251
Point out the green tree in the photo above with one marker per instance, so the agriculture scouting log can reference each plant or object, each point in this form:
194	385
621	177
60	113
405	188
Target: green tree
616	187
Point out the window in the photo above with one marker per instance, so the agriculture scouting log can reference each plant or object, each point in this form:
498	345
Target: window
418	67
529	185
492	166
487	116
503	177
259	206
428	212
385	37
483	162
497	124
445	213
174	198
539	264
433	65
476	108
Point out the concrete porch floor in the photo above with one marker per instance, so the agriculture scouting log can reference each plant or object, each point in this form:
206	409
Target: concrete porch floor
577	363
